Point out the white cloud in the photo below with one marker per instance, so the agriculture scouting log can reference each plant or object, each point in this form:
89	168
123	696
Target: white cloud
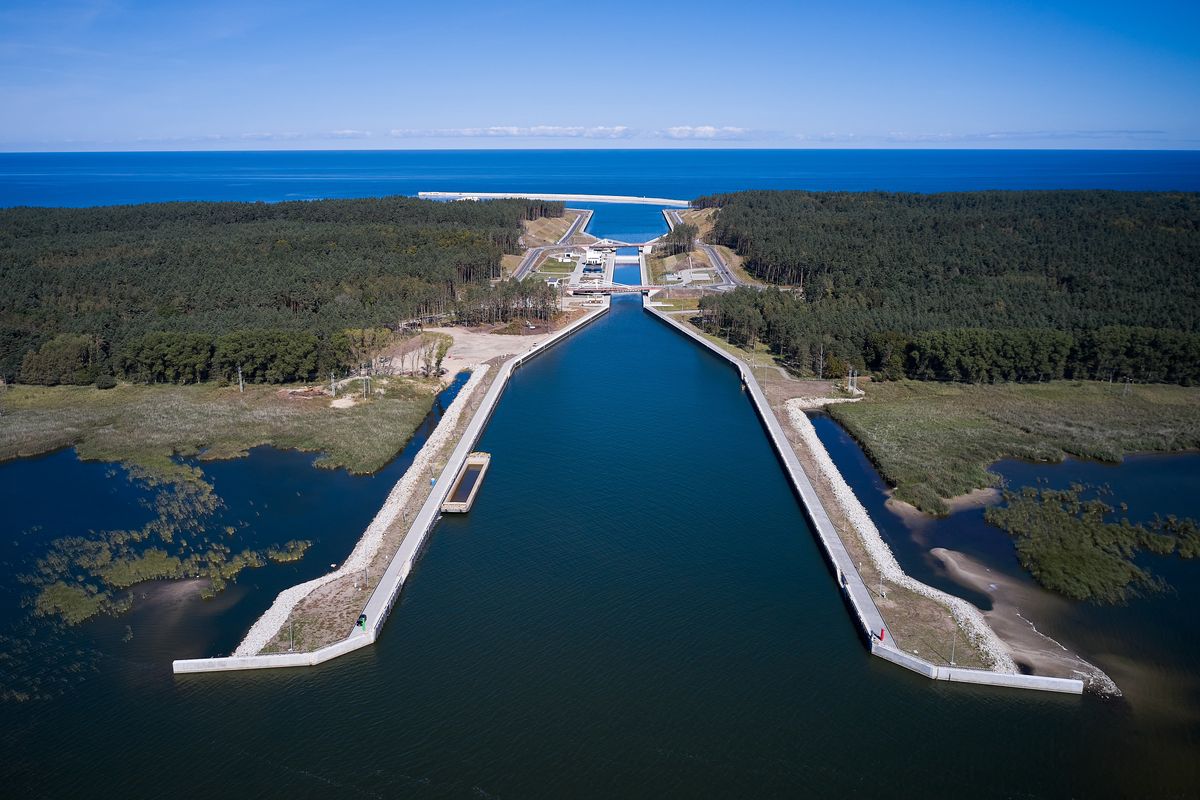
266	136
516	131
348	133
704	132
1027	136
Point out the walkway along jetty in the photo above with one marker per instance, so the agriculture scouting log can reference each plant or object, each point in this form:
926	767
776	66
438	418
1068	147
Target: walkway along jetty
383	598
566	198
870	621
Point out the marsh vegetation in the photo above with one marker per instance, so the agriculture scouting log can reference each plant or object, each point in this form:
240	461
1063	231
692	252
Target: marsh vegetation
79	577
1074	543
933	441
148	425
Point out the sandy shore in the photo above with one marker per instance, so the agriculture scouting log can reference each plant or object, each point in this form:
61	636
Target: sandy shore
813	403
1030	648
915	518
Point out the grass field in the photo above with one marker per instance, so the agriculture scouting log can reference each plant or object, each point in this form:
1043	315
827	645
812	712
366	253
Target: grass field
702	218
509	264
935	440
678	304
659	267
547	230
147	425
553	266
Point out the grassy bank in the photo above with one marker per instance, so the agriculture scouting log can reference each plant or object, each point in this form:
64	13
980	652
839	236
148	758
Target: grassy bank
147	424
547	230
935	440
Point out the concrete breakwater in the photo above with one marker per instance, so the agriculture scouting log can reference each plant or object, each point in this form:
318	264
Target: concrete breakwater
566	198
385	594
870	621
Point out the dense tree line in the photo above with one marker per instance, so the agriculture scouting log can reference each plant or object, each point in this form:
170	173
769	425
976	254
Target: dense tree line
791	329
508	300
678	240
976	286
180	291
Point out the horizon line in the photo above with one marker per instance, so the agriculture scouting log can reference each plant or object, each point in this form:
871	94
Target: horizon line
606	150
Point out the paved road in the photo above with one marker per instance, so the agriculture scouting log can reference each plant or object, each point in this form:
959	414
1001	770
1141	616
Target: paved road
728	279
534	253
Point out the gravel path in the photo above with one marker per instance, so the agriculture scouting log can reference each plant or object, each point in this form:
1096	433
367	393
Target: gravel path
969	618
270	623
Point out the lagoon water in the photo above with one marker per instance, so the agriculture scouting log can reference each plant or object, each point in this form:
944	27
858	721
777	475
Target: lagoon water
634	607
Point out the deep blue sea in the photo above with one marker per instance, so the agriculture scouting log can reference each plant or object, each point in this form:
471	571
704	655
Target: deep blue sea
85	179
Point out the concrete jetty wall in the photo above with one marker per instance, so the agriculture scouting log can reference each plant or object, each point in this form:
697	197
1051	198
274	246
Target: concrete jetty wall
566	198
384	597
858	597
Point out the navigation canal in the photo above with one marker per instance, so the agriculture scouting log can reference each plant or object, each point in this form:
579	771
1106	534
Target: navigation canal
635	607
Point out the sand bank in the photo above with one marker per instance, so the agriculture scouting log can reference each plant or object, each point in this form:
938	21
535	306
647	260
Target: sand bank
1031	649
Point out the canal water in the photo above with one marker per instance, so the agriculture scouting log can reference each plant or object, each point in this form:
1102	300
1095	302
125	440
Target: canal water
635	607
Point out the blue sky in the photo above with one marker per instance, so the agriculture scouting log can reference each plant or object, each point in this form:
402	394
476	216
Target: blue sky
183	75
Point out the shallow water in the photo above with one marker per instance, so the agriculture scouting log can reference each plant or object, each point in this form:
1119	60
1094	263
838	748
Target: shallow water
269	497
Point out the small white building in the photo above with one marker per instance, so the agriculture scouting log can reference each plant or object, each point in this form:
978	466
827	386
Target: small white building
593	258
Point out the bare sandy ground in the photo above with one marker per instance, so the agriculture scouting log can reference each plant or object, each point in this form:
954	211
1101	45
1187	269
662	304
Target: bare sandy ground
472	348
1031	648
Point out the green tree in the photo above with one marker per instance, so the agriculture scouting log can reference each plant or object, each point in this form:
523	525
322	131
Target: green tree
67	358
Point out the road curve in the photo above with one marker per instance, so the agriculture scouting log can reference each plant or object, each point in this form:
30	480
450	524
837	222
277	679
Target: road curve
533	253
728	279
